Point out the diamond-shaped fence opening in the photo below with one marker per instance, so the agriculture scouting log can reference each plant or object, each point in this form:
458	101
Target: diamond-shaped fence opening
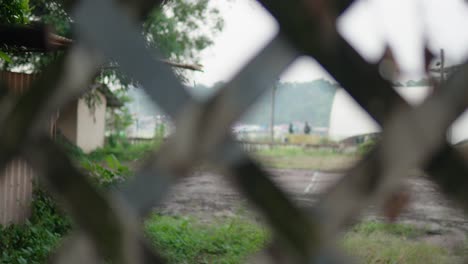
108	222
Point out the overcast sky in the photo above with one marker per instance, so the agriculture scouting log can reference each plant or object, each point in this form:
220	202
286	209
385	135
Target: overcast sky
368	26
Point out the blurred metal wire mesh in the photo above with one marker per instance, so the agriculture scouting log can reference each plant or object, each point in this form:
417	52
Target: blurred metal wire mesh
108	223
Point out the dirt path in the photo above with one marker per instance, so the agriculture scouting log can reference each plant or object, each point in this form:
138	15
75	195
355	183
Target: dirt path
210	195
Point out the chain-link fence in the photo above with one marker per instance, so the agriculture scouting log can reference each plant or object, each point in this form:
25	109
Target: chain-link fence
108	223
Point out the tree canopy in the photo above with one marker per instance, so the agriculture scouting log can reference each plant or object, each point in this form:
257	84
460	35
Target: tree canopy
179	28
296	101
14	12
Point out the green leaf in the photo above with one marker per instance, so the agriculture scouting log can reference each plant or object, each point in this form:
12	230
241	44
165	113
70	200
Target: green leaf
112	162
21	260
5	57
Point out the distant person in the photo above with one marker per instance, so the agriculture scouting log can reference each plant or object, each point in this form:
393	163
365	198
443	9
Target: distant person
306	128
291	128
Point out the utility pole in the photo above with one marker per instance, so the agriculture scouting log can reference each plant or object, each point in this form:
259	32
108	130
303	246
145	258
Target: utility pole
272	121
442	67
137	122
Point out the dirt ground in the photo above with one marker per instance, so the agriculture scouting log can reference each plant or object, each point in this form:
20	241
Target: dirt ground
208	195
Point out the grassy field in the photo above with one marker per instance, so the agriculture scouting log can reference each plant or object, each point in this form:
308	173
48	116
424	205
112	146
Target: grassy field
185	240
301	158
377	242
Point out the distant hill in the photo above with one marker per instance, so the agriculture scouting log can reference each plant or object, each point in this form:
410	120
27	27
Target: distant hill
413	83
295	101
305	101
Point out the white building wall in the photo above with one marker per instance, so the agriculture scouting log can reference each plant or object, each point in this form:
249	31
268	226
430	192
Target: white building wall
91	125
67	122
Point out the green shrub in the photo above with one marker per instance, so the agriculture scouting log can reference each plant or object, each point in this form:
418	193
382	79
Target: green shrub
116	140
185	240
73	151
366	147
33	241
159	133
117	146
123	152
113	174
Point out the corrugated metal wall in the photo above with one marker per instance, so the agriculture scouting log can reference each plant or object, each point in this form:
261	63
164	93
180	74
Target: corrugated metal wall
17	180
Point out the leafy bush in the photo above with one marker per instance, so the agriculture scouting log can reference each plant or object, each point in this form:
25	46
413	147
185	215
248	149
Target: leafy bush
366	147
123	152
108	172
113	174
73	151
116	140
33	241
120	149
159	134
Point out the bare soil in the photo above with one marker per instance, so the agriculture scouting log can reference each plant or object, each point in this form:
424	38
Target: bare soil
208	195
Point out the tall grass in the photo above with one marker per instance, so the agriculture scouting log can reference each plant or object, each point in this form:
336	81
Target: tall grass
376	242
185	240
294	157
123	152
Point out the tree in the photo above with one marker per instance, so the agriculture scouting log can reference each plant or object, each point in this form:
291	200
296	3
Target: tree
160	133
32	14
180	29
291	128
306	128
119	119
14	12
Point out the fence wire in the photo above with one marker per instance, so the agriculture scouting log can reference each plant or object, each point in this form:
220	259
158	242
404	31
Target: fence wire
108	223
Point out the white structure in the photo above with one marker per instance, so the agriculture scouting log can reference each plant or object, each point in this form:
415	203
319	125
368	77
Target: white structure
83	126
348	119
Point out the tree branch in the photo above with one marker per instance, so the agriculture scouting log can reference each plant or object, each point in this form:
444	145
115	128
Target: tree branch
193	67
41	39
